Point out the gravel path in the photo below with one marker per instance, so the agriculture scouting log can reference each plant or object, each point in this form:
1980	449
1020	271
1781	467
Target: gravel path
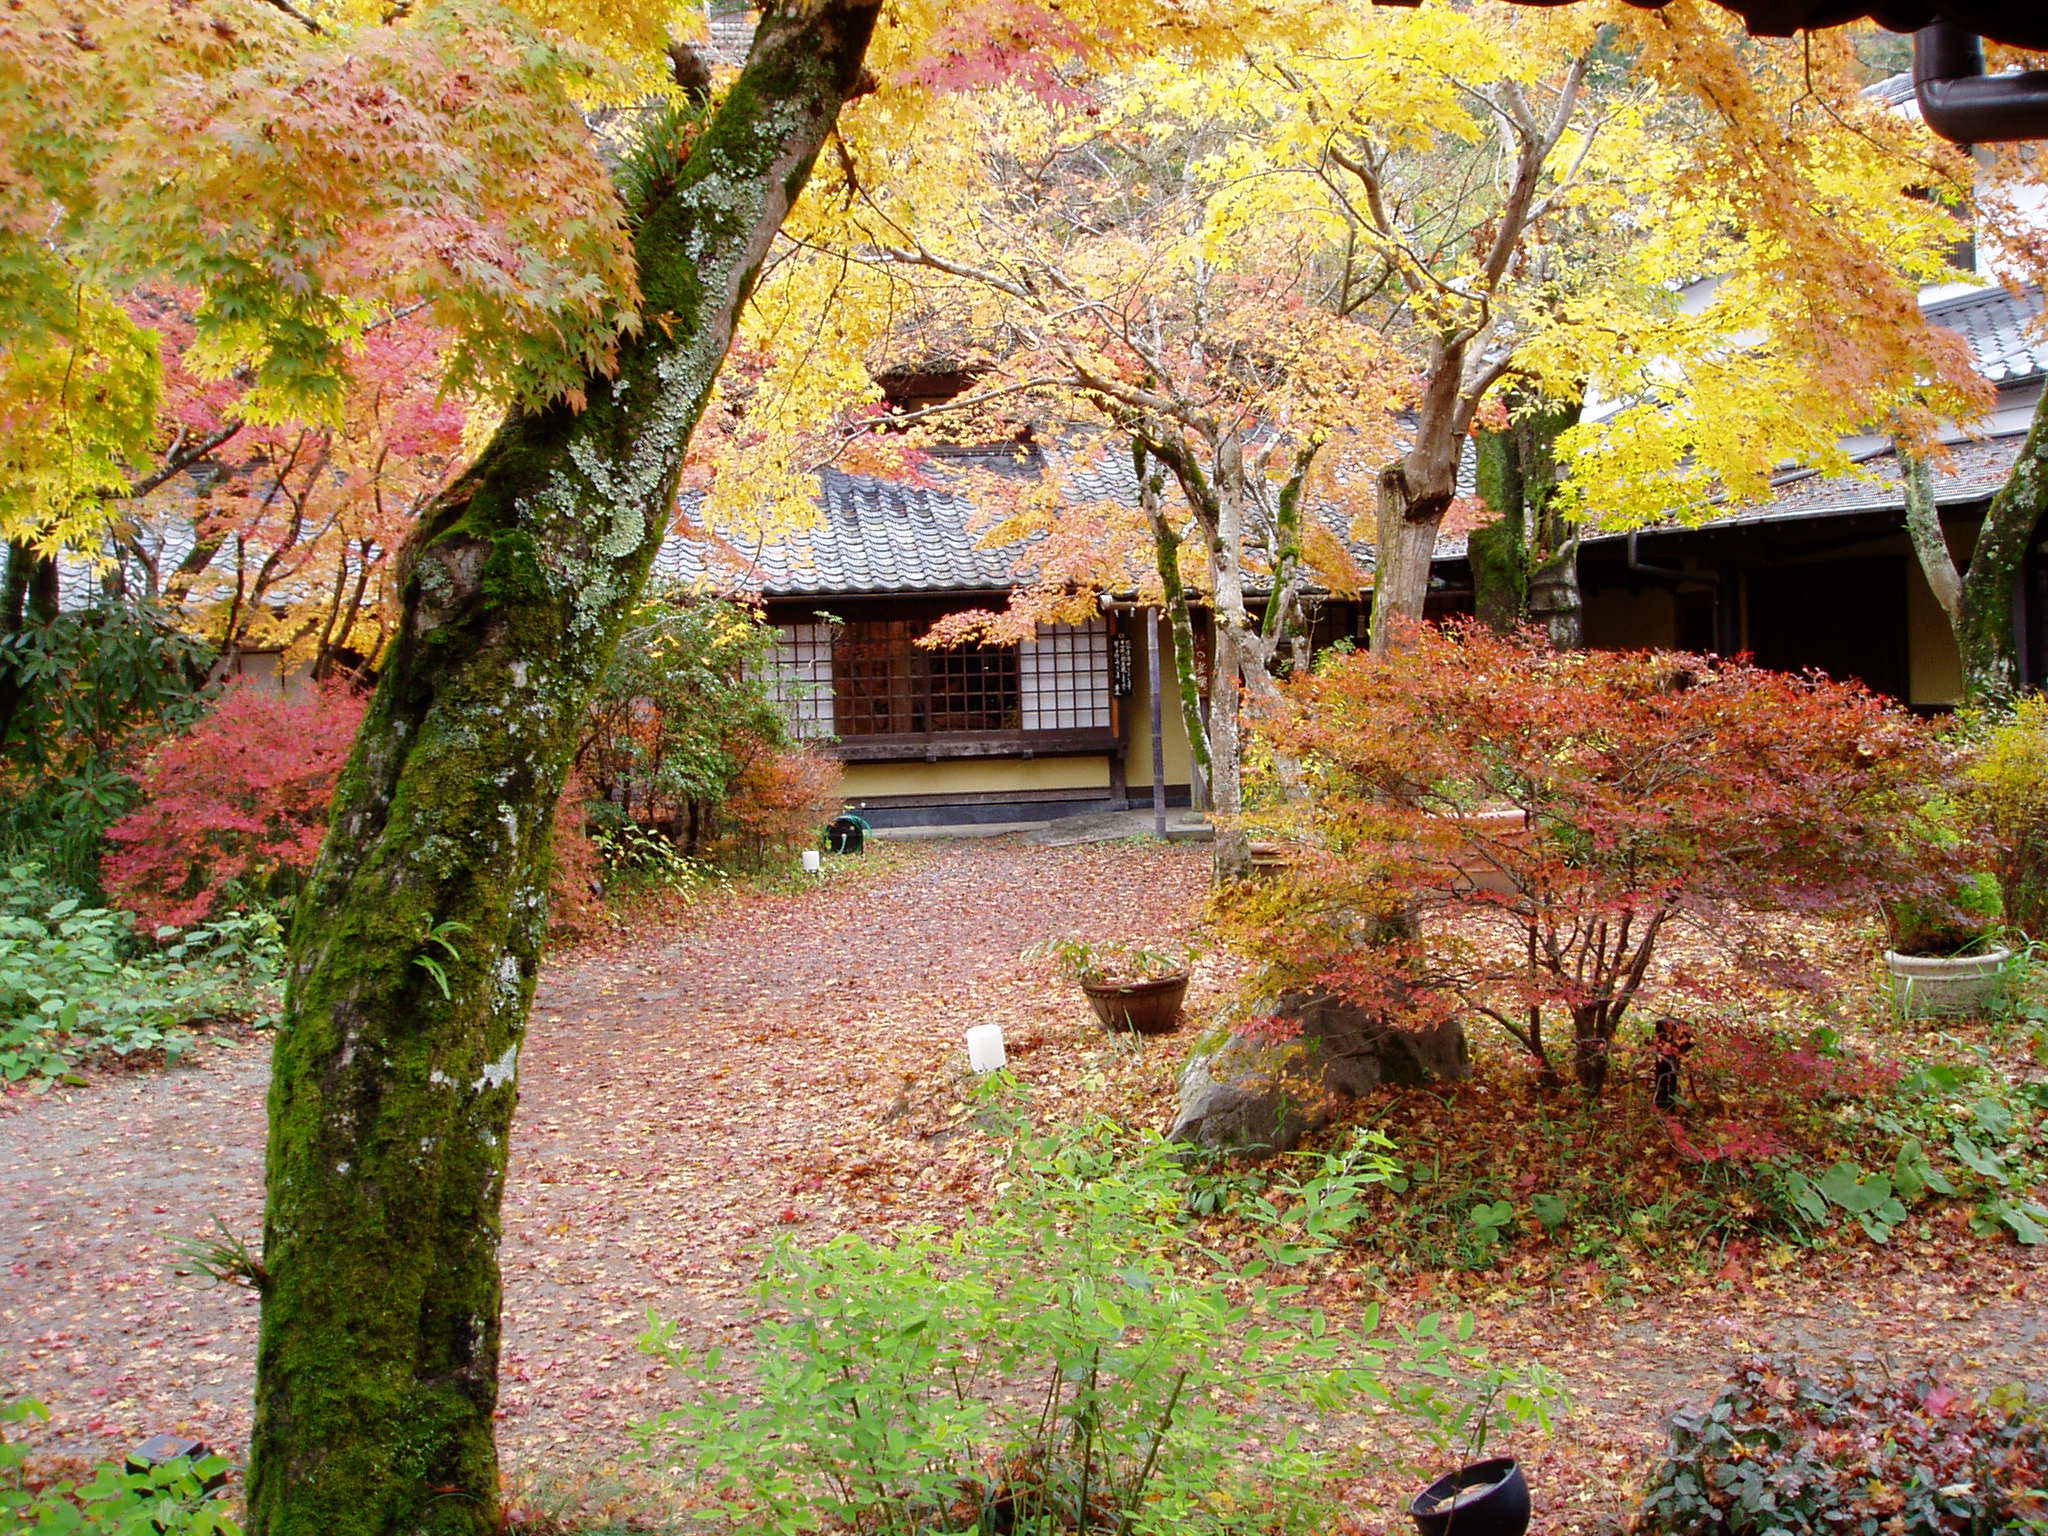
681	1098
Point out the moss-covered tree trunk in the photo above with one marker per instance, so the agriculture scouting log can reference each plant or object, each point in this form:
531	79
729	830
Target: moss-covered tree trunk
417	942
1525	564
1180	621
1979	598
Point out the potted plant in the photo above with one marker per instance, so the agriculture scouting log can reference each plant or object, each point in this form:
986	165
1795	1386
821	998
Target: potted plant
1944	956
1132	987
1487	1498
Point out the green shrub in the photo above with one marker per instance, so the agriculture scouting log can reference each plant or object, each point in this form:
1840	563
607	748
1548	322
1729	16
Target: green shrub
1781	1450
95	689
172	1498
1075	1360
684	740
75	981
2007	787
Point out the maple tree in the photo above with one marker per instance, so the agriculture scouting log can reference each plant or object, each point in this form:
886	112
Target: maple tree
1296	279
280	536
1531	824
341	165
234	809
379	1356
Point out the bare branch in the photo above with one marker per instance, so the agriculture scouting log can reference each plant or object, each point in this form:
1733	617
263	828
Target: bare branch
298	15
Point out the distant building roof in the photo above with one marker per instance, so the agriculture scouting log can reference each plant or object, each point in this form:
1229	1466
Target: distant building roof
877	536
873	535
2004	330
1973	473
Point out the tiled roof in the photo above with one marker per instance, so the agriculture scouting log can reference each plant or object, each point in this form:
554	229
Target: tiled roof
731	35
872	536
1974	472
884	536
2004	330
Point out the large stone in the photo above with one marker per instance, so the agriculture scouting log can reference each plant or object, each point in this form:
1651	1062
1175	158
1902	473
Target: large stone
1259	1096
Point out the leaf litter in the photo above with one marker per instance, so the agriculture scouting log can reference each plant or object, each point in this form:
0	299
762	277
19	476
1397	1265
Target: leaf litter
794	1062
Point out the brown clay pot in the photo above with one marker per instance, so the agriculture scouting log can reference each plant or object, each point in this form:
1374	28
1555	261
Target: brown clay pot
1146	1007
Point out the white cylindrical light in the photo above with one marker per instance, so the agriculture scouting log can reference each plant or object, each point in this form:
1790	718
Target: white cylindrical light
810	861
985	1048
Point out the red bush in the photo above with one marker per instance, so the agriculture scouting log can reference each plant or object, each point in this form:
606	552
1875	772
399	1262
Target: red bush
236	808
574	866
1524	826
778	803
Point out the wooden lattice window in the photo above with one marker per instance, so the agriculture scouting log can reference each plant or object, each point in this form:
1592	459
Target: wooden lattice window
874	679
973	688
871	678
800	680
1065	675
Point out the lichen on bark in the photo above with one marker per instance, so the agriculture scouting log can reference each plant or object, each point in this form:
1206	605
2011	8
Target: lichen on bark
418	940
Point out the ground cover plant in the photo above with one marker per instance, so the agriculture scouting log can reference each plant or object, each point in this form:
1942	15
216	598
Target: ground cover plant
1787	1448
1783	1139
78	983
1068	1358
172	1498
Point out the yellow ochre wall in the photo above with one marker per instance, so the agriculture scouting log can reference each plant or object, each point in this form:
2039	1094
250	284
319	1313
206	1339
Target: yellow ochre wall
974	776
1136	714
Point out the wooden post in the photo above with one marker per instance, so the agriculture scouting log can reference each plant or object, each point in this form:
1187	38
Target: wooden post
1152	618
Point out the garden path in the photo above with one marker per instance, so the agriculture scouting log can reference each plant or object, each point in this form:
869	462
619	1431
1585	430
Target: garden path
793	1062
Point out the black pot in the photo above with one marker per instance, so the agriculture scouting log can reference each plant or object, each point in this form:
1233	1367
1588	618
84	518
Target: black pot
1488	1498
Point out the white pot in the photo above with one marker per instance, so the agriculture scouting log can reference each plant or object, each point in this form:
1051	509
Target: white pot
1923	985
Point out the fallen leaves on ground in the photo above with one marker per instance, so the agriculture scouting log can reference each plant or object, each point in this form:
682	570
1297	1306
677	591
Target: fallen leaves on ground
794	1062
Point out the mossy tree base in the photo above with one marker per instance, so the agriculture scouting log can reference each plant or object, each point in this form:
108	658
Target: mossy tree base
418	940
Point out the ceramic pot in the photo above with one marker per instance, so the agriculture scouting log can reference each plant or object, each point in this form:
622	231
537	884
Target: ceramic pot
1488	1498
1924	985
1146	1007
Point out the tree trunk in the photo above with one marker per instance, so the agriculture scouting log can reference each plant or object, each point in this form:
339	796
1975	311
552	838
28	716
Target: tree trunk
1554	598
1409	514
1233	856
1525	565
417	940
1499	551
1187	687
1985	632
1592	1049
1979	599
